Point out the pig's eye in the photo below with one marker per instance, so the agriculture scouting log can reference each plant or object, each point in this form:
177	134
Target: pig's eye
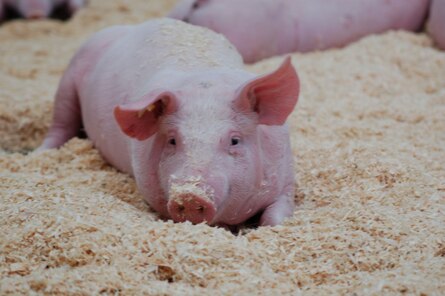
195	5
235	141
172	142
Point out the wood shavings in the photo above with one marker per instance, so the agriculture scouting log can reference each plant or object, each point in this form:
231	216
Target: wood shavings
368	137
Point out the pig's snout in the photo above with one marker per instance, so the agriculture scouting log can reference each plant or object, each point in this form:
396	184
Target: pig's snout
193	199
191	207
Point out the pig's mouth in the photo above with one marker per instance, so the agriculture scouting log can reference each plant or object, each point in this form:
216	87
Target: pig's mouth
191	202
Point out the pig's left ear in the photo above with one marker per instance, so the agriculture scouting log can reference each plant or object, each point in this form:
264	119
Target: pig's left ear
272	96
140	119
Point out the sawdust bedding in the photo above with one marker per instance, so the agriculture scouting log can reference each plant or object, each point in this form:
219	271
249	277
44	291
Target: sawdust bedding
368	137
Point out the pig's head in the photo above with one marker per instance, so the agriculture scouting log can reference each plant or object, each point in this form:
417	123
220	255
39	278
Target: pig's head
206	154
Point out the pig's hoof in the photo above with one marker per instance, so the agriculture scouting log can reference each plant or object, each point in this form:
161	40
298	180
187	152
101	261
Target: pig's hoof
190	207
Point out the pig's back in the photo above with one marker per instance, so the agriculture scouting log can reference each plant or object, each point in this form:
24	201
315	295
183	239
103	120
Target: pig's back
118	65
184	46
129	56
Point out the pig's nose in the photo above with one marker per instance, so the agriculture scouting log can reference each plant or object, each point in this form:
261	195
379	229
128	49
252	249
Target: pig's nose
191	207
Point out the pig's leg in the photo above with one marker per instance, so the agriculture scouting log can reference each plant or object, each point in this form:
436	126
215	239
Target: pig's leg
66	115
436	23
281	209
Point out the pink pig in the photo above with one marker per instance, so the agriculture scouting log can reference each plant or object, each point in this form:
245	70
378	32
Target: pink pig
172	105
37	9
263	28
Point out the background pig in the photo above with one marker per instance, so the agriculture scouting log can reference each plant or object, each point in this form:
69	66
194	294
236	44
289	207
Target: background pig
436	22
37	9
171	104
263	28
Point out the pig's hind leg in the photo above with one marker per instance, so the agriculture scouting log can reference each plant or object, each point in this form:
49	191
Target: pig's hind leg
67	118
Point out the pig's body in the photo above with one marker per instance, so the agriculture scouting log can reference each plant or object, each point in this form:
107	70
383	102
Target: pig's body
37	9
185	127
263	28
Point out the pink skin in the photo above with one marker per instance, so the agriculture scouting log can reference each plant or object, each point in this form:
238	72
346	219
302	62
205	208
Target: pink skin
205	140
264	28
436	22
38	9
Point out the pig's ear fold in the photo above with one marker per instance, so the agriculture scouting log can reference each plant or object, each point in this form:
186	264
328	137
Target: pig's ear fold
140	119
272	96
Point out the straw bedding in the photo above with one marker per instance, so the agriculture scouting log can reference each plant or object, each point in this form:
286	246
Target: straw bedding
368	137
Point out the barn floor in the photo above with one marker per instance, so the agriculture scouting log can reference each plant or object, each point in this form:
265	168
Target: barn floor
369	142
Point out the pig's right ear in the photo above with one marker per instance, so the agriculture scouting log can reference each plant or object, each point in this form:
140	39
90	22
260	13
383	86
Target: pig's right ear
272	96
140	119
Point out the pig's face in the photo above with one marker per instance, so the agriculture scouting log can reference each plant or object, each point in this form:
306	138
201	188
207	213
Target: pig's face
206	141
210	155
